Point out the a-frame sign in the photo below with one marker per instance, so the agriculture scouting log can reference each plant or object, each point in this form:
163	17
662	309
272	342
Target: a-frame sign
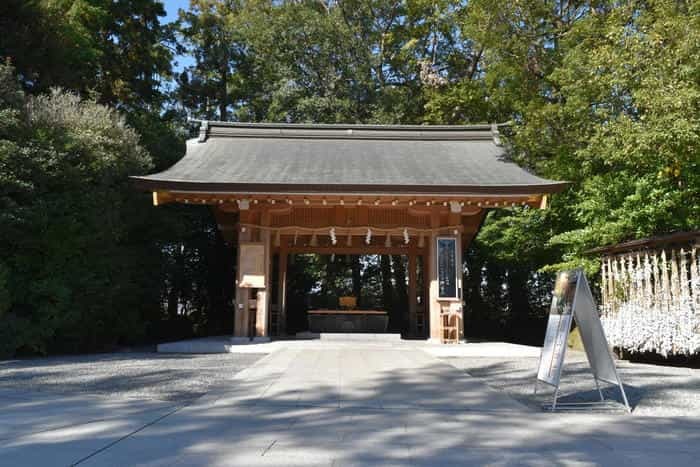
572	299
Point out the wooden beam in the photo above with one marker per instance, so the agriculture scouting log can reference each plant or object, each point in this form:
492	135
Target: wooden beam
382	200
354	250
161	197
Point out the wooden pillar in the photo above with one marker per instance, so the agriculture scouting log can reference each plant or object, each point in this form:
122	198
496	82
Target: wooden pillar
241	324
432	303
412	295
460	284
455	306
432	306
282	292
262	311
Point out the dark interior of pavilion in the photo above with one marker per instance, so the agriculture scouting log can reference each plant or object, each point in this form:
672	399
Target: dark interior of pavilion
373	282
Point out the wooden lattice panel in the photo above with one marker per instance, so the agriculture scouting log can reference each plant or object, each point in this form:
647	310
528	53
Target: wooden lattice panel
315	217
383	217
304	217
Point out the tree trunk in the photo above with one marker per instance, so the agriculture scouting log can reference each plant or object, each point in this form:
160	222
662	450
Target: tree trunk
356	278
400	310
176	281
387	288
520	309
223	89
472	296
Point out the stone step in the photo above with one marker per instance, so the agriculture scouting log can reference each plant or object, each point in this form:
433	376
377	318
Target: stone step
355	336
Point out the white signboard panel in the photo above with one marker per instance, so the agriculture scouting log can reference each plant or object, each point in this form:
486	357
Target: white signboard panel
553	350
593	336
572	300
558	327
252	265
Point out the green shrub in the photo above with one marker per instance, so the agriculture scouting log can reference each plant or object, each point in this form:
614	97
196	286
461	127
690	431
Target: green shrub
66	210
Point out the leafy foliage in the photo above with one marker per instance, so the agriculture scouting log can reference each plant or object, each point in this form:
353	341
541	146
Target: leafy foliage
65	221
602	94
118	51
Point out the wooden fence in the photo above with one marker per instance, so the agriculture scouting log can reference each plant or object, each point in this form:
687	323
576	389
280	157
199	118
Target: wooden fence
651	298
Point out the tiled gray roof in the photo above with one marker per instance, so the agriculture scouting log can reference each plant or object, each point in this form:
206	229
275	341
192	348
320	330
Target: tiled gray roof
347	158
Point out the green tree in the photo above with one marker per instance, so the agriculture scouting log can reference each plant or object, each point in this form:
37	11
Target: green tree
66	221
116	50
602	95
209	32
630	87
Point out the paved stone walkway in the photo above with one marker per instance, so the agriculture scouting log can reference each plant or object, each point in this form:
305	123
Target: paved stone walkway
336	405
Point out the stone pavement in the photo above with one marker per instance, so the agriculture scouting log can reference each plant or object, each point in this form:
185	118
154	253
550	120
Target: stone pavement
336	405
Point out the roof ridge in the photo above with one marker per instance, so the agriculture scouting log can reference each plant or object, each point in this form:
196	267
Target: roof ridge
349	131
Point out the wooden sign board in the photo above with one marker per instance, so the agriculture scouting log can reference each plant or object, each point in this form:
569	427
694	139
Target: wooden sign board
573	300
447	267
251	269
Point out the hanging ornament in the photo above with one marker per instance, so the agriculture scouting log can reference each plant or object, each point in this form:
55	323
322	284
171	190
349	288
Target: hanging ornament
333	258
368	238
333	239
406	238
349	240
314	240
387	243
296	236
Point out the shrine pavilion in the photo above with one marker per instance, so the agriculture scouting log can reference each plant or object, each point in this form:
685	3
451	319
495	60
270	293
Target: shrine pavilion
283	189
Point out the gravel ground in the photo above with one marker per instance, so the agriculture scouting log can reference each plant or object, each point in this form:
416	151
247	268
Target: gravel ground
651	389
166	377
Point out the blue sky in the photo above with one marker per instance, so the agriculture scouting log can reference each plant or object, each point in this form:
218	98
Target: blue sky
171	7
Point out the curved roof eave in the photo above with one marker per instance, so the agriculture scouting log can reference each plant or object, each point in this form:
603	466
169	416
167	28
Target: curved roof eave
150	184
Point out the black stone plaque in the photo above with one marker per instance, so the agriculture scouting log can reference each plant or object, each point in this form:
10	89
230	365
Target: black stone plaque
447	267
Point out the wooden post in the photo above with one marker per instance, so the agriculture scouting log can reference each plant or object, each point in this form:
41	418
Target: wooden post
695	275
412	296
460	285
603	285
262	311
241	324
282	292
432	303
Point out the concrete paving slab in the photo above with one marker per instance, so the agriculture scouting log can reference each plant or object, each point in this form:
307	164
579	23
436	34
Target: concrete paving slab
70	444
347	405
483	349
37	412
